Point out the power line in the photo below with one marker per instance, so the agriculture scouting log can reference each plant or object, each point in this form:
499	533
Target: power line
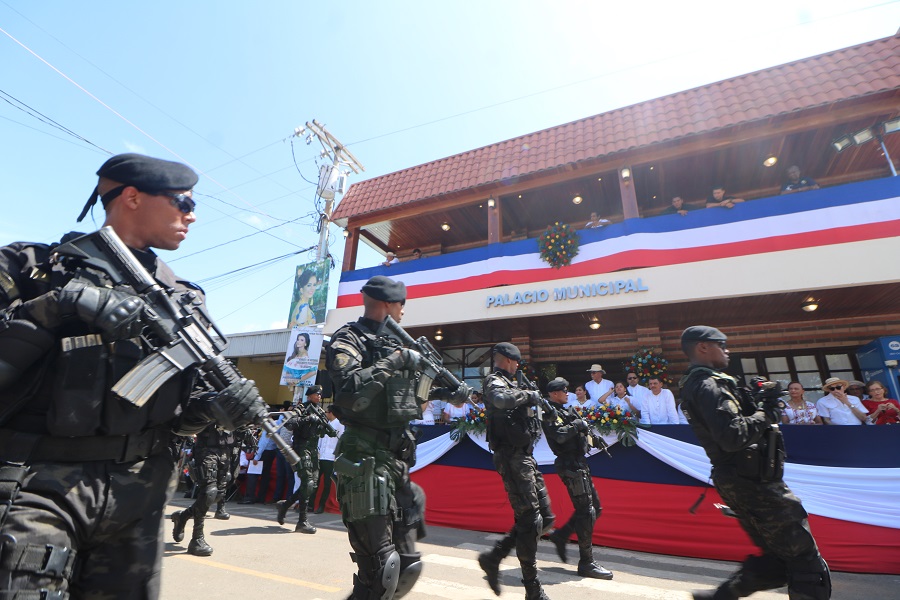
35	113
62	139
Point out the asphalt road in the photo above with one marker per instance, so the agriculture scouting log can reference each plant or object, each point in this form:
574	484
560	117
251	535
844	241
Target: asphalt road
256	558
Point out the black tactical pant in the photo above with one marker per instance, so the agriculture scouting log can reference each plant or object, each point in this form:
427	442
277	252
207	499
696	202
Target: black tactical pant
776	521
523	483
110	514
326	470
212	467
578	481
308	471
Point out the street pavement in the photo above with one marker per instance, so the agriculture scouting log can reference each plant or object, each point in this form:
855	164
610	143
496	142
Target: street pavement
256	558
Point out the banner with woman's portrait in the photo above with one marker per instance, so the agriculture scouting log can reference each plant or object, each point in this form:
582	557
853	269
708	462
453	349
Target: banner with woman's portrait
310	295
302	358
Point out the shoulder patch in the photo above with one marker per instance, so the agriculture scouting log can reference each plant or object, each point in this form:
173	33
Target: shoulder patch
341	361
343	349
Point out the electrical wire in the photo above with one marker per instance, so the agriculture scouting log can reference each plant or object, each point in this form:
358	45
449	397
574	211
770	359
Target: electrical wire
62	139
35	113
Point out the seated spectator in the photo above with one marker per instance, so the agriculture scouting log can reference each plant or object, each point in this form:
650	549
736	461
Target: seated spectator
427	415
857	388
839	408
598	388
635	390
452	412
596	221
677	207
721	200
621	399
797	409
477	398
416	254
390	259
882	410
795	183
581	396
658	407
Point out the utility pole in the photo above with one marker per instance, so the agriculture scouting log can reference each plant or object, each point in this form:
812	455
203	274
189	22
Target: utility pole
331	179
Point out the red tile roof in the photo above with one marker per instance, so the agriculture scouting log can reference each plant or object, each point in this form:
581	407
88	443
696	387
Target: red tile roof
837	76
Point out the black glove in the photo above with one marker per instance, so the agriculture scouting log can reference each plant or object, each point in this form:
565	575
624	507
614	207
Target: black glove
116	313
405	359
581	426
237	405
772	409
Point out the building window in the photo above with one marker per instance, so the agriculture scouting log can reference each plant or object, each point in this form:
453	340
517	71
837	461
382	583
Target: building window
468	364
809	368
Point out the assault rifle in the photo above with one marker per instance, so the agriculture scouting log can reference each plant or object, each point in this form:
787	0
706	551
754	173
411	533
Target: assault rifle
179	338
542	404
434	364
324	424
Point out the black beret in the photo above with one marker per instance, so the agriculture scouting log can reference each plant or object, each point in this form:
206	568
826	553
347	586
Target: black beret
148	174
314	389
385	289
509	351
702	333
557	385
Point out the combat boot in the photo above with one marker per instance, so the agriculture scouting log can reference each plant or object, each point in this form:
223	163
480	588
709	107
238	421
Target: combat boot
534	590
199	547
593	571
221	514
490	564
560	539
282	507
180	519
304	526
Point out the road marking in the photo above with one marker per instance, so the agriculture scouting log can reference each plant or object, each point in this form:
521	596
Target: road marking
270	576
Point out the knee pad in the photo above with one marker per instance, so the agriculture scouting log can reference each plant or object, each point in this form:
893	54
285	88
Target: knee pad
389	575
378	574
210	495
411	567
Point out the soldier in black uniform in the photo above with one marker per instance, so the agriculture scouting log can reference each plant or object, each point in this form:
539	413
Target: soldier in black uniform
85	475
513	427
570	439
738	435
212	467
308	428
375	382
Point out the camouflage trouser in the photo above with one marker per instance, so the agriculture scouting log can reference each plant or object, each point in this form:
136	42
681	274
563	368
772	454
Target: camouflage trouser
523	483
212	468
110	514
374	538
308	471
776	521
580	485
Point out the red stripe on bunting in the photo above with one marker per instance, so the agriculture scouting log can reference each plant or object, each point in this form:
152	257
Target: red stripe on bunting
648	518
634	259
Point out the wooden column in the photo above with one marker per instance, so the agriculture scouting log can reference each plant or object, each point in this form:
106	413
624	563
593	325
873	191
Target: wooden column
351	245
629	198
494	221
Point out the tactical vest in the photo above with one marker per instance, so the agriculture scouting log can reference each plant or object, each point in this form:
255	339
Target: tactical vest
393	407
512	428
67	392
573	449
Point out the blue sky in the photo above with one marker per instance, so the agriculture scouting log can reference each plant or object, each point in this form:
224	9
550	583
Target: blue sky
222	85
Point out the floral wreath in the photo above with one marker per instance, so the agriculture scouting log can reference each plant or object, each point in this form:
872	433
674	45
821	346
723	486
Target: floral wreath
474	422
558	245
647	363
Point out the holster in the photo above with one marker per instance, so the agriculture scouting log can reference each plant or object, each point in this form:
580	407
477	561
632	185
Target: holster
763	461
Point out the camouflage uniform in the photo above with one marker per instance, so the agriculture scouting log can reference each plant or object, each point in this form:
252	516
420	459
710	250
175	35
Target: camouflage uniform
95	471
212	466
373	458
728	425
512	433
307	428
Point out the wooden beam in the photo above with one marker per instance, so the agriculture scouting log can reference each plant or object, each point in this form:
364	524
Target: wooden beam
494	221
351	247
626	191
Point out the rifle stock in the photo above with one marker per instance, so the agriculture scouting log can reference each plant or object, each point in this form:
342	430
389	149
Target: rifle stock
184	342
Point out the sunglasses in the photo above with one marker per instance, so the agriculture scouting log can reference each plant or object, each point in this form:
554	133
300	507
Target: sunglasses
183	202
831	388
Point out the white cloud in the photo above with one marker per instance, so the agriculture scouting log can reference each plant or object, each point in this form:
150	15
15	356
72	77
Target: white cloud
134	147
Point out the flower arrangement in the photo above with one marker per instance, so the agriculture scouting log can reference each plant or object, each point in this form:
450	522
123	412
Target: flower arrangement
474	422
558	245
528	371
606	419
647	363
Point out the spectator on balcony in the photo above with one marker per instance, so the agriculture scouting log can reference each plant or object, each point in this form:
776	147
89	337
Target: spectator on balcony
621	399
838	407
635	390
658	407
882	410
857	388
599	389
720	199
677	207
581	396
796	183
797	409
390	259
416	254
596	221
477	398
453	412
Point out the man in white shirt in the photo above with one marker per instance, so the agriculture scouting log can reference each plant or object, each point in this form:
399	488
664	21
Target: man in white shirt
390	259
658	407
635	390
595	221
327	445
838	407
598	388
